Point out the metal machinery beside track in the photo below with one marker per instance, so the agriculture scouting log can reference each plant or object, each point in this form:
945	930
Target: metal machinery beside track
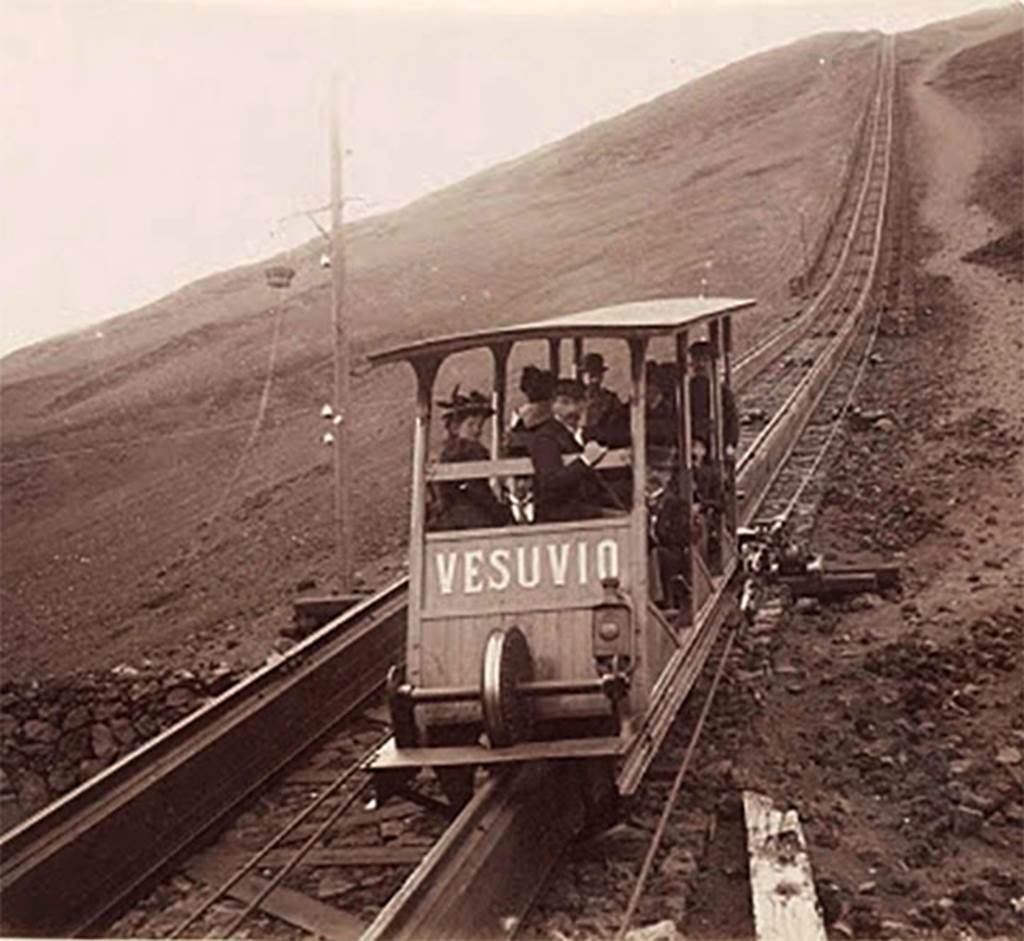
69	867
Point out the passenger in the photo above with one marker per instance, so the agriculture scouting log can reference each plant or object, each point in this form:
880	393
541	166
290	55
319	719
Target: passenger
709	497
661	414
466	504
538	385
565	491
671	534
606	417
707	487
701	354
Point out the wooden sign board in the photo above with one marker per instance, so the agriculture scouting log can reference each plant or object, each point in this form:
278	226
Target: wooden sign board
523	569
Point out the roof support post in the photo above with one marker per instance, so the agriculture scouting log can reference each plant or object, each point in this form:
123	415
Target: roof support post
729	458
638	511
577	356
426	372
554	355
686	460
716	443
499	395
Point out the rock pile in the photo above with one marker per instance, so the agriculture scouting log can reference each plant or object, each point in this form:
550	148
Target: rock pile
57	733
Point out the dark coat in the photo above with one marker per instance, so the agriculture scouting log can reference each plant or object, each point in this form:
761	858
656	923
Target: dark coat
707	488
524	422
700	412
607	418
563	491
466	504
663	424
670	521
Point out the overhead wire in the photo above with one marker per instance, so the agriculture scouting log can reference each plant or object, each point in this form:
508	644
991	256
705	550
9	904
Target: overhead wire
257	421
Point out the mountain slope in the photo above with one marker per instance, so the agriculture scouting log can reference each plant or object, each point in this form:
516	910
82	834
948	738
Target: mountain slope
172	513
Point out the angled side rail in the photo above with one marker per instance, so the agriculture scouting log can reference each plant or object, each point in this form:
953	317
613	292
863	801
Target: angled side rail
76	861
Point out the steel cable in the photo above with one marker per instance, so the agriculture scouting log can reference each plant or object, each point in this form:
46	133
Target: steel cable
659	832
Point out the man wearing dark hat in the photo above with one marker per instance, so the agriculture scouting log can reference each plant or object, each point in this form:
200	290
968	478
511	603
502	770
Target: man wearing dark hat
466	504
605	417
701	354
538	385
565	491
662	417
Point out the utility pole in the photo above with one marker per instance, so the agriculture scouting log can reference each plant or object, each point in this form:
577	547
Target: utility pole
342	399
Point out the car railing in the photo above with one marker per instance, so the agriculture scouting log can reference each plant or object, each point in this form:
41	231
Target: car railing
514	466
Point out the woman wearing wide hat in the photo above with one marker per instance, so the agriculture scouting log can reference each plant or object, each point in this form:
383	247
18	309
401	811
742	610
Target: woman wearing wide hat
465	504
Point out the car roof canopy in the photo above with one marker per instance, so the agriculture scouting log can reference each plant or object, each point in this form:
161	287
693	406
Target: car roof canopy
635	319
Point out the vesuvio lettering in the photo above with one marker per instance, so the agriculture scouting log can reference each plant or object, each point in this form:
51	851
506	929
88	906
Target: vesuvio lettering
476	571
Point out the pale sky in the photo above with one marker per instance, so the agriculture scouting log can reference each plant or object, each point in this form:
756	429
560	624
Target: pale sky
145	144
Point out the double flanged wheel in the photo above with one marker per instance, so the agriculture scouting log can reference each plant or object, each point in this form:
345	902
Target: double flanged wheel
507	710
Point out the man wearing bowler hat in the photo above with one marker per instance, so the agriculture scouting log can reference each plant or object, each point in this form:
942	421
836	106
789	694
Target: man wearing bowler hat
565	491
605	417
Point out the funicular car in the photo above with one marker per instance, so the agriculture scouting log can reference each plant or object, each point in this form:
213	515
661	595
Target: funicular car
544	639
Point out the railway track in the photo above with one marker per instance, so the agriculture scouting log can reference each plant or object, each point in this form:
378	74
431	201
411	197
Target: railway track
104	843
511	837
793	498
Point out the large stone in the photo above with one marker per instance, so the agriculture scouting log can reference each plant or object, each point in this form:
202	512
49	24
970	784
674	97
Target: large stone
76	717
146	726
967	820
8	725
122	731
36	731
864	919
103	743
90	768
144	689
1009	755
32	791
109	709
180	698
62	778
76	746
961	766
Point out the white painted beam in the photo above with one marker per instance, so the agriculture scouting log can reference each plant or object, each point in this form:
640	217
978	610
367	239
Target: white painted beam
781	884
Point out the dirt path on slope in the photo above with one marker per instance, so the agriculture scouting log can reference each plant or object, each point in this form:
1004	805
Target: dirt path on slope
895	725
952	153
